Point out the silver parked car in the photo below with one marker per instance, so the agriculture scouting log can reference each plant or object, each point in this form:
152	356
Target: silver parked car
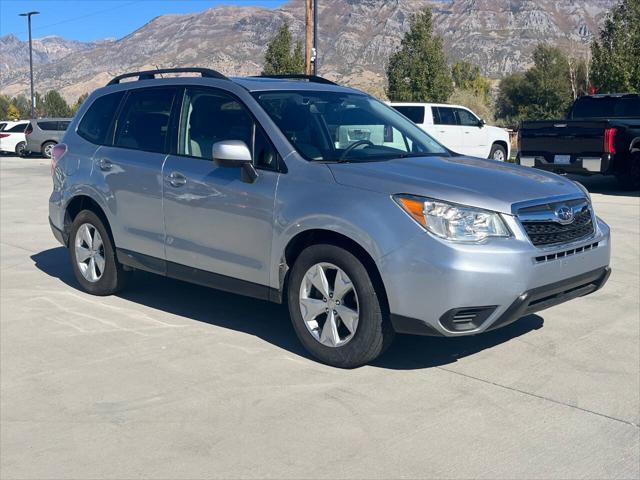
43	133
300	190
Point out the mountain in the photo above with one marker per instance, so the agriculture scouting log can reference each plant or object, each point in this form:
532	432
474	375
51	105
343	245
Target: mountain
15	53
356	39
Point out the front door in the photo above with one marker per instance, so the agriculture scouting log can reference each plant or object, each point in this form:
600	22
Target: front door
215	222
474	136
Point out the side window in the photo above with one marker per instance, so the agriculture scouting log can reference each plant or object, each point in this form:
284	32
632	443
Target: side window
436	116
466	118
210	116
447	116
62	126
413	113
144	121
48	125
96	122
17	128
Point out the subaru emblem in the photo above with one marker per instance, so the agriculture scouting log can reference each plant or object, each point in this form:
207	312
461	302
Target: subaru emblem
564	214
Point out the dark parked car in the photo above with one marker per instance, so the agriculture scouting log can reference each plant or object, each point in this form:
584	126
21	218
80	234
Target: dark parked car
600	135
43	134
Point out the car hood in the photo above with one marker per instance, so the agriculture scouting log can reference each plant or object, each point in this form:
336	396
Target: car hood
475	182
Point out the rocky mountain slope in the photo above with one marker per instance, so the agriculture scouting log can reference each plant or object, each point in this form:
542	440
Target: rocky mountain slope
356	39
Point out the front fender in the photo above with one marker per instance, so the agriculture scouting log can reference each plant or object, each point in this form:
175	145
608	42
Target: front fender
370	219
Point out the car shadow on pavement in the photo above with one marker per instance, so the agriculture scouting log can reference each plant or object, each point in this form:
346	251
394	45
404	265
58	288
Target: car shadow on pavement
270	321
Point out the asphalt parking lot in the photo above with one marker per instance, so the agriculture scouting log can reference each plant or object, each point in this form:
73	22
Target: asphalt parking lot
171	380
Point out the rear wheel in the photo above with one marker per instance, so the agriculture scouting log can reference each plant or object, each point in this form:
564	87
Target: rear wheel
629	175
20	148
47	149
335	309
93	256
498	152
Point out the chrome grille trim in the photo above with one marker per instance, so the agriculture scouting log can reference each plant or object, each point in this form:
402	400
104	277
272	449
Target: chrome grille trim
545	229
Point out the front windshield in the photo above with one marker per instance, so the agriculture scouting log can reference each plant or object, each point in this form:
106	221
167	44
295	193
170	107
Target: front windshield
345	127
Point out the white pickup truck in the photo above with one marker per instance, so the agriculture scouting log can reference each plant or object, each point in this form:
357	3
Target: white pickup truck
458	129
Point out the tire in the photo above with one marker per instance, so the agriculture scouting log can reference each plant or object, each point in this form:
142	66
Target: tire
20	148
112	277
629	175
47	148
373	333
498	152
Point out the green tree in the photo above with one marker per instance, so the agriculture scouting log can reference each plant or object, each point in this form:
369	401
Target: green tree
616	54
543	92
23	105
76	106
418	71
4	106
282	57
55	105
12	113
467	76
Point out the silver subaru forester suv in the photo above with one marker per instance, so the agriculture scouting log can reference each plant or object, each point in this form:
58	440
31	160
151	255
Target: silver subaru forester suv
298	190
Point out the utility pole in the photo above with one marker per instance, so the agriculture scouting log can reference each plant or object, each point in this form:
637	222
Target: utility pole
33	97
308	17
315	37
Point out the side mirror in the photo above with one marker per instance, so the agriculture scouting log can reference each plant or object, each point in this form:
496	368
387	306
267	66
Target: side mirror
235	154
482	123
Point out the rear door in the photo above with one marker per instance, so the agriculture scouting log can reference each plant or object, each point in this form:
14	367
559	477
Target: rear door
215	222
446	129
130	170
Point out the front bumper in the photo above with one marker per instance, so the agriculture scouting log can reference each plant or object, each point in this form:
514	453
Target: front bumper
445	289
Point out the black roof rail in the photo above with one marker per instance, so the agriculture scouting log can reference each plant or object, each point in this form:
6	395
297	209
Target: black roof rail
151	74
298	76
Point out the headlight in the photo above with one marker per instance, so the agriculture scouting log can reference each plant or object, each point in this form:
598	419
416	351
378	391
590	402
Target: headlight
453	222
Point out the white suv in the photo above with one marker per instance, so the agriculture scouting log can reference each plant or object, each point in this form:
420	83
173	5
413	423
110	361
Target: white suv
12	138
458	129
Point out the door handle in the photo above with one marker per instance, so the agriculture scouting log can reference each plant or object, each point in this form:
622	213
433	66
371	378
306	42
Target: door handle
105	164
176	179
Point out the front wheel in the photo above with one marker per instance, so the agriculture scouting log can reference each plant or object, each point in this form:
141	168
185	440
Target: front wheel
498	152
93	256
335	309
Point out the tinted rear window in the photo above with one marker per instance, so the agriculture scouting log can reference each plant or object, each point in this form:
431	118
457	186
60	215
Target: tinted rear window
446	116
606	107
96	123
48	125
144	121
415	114
17	128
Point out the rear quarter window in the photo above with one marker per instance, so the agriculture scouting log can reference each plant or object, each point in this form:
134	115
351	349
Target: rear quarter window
17	128
96	122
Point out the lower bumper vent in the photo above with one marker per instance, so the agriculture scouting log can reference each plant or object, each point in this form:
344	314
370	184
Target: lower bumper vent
465	319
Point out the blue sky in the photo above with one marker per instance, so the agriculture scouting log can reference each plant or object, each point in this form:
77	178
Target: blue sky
97	19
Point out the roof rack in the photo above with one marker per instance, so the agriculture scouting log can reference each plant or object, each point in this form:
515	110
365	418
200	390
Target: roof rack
299	76
151	74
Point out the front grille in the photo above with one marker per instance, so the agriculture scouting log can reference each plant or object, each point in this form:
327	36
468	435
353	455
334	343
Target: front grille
544	228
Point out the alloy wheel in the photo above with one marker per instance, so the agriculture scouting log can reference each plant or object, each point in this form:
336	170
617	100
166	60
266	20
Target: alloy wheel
89	250
329	305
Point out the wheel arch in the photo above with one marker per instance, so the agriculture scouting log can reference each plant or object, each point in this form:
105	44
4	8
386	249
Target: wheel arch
504	145
84	202
635	145
318	236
